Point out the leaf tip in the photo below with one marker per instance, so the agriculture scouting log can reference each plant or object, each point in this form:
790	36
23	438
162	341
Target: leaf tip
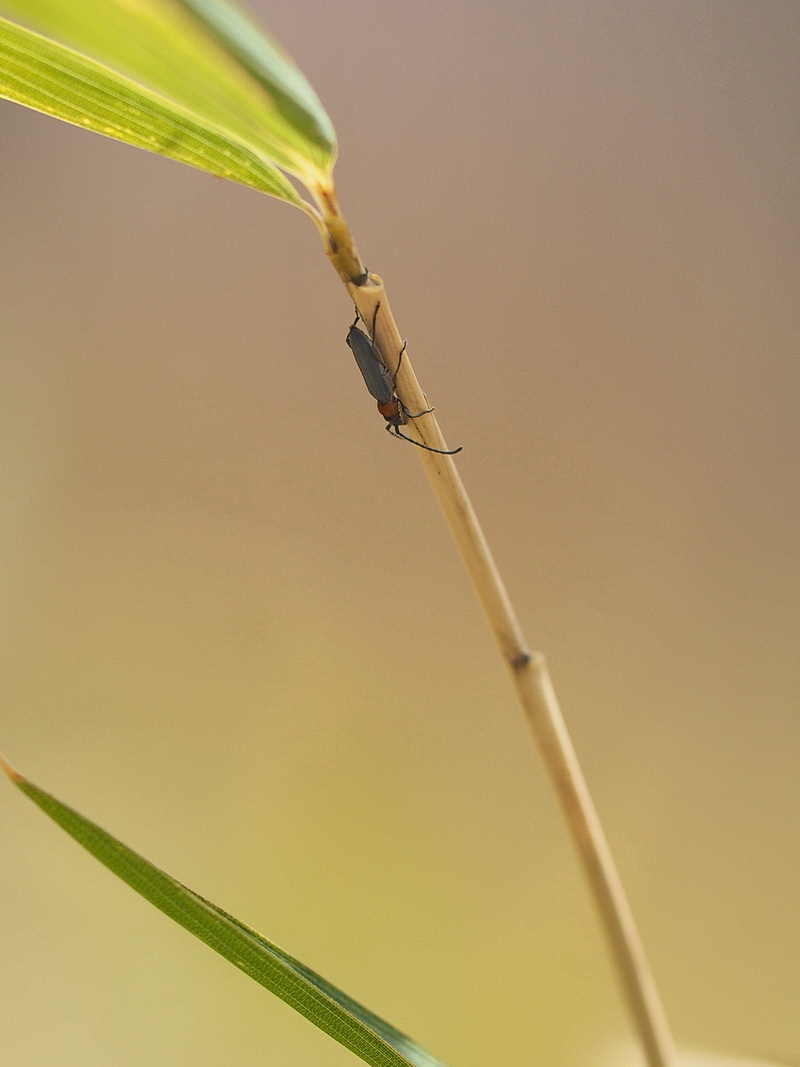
13	774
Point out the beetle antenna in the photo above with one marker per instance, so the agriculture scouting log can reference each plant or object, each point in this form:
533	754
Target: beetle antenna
390	428
407	414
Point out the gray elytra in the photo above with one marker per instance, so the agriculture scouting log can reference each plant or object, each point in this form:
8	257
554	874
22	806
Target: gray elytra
380	382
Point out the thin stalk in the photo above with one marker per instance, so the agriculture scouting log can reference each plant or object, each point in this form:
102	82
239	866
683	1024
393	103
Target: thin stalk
533	685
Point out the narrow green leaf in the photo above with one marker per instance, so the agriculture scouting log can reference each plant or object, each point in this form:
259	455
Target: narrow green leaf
48	77
207	57
369	1037
272	67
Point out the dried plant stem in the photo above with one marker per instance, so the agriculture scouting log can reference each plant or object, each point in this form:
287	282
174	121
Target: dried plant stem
535	691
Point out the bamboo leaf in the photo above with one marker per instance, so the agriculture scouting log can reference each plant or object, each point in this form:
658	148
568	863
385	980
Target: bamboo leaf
206	59
352	1025
48	77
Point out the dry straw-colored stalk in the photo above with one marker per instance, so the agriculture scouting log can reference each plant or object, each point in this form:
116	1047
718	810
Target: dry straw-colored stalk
528	669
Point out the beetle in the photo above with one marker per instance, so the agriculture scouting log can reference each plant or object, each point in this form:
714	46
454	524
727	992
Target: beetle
381	383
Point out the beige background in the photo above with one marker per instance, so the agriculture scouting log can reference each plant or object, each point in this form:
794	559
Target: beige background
234	631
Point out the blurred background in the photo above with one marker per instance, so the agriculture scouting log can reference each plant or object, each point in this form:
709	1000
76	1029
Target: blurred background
234	630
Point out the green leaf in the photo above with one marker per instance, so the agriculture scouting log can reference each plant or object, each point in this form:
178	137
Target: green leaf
50	78
369	1037
208	60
